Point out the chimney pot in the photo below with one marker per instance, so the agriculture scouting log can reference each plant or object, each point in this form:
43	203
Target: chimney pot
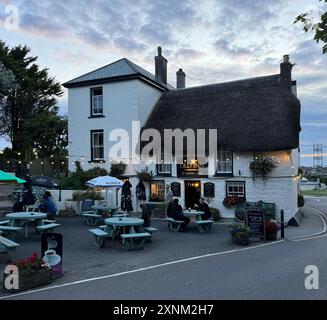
180	79
286	73
161	67
286	58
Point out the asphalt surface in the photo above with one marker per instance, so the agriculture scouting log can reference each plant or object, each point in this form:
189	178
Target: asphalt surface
272	271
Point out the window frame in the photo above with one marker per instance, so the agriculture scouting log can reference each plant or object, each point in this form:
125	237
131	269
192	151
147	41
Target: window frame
226	151
96	159
157	182
161	165
239	196
96	114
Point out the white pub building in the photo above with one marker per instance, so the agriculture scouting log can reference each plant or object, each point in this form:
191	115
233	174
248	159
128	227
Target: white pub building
257	121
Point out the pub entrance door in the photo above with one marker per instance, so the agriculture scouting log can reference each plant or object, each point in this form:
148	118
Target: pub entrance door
192	193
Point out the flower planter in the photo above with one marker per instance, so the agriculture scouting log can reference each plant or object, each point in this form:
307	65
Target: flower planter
241	240
28	280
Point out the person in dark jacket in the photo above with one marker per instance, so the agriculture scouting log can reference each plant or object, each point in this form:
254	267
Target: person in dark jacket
48	206
146	215
203	206
177	214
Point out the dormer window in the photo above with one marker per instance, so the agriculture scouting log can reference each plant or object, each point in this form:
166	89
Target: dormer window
97	102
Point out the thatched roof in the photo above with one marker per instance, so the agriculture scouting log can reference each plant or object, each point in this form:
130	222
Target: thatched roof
256	114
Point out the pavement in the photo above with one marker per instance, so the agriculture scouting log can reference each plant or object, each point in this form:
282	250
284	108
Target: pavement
186	265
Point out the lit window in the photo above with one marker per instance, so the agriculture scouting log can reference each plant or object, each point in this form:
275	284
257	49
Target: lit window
235	189
157	191
97	101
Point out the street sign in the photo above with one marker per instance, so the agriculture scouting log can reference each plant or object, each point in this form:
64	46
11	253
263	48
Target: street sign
255	220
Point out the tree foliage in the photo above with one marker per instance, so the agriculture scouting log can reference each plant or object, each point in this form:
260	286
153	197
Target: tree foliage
35	93
319	28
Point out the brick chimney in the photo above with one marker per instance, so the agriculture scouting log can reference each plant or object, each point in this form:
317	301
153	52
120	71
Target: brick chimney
180	80
161	67
286	73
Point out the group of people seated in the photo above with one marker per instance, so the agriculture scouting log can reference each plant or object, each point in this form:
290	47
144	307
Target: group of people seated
27	199
175	211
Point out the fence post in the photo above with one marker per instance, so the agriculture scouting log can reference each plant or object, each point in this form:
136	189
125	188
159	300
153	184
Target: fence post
282	227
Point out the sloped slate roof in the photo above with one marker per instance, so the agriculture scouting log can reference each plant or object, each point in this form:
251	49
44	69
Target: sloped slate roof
118	70
255	114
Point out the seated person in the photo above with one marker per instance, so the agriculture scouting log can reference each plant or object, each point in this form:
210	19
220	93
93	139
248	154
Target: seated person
203	206
146	215
177	214
48	206
169	209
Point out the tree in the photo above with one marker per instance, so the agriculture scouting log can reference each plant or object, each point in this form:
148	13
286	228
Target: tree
35	92
46	132
7	80
320	28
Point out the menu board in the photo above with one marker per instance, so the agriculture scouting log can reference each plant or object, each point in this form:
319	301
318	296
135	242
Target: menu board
176	189
87	204
209	190
255	220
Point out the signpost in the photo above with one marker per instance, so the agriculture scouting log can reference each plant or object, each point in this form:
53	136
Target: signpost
255	220
51	250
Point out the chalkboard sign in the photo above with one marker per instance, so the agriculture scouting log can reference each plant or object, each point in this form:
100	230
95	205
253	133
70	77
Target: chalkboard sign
87	205
255	220
51	250
209	190
176	189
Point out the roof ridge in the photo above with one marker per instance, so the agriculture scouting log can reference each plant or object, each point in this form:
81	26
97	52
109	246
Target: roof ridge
107	65
229	82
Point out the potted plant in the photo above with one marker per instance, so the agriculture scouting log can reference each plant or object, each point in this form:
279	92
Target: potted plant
271	229
240	234
32	272
262	167
230	202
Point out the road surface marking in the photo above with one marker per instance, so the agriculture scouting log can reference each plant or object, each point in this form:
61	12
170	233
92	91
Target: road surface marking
317	235
139	270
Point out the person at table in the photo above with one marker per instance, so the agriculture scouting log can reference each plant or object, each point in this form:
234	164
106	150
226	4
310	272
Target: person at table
146	215
48	206
203	206
169	200
177	214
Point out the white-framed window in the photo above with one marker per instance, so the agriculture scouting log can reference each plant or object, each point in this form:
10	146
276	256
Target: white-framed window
224	161
96	102
235	189
97	145
164	168
157	191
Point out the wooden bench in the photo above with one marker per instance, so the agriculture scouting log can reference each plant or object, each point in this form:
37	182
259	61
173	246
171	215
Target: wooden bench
7	245
100	237
4	223
135	241
91	218
46	221
48	227
204	225
10	231
174	225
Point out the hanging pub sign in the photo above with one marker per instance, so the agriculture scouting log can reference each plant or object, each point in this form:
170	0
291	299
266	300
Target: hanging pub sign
176	189
51	250
209	190
255	220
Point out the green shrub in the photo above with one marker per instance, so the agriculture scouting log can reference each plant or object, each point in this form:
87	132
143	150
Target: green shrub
215	213
80	195
300	201
117	169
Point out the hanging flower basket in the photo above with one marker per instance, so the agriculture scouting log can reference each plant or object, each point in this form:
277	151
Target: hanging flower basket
262	167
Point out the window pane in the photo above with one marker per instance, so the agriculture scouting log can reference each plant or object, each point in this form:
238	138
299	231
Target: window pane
97	145
235	189
224	161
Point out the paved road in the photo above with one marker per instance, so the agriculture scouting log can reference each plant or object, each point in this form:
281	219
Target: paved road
273	271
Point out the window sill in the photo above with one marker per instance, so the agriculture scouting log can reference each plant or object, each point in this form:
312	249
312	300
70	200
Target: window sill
97	161
230	174
164	174
99	116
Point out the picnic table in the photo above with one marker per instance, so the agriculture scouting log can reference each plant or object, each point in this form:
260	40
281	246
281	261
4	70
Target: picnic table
203	225
19	219
105	208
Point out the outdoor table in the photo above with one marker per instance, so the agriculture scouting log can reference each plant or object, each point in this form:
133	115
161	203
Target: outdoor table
117	223
194	213
105	208
21	218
